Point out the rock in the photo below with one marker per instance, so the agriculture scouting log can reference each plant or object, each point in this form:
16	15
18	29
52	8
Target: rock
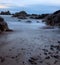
55	61
57	12
57	47
49	20
10	49
48	63
51	48
35	16
19	20
48	57
13	57
48	27
9	30
3	25
57	52
23	62
20	15
56	56
33	60
58	41
53	19
28	21
38	22
50	53
45	50
45	53
5	13
41	61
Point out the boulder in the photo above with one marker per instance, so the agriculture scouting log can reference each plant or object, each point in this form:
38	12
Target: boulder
20	15
3	25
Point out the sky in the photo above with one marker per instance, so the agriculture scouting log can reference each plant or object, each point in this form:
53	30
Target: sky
33	5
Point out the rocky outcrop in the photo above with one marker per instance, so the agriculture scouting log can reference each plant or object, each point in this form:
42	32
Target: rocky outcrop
3	25
35	16
20	15
53	19
5	13
24	15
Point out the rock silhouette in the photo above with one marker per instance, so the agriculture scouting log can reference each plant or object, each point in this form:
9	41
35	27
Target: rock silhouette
5	13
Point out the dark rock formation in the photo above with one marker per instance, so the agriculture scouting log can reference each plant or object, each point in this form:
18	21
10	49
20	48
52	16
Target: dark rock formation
5	13
42	16
20	15
3	25
35	16
57	12
24	15
53	19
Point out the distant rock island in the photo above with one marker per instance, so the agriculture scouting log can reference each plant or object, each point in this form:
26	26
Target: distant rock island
5	13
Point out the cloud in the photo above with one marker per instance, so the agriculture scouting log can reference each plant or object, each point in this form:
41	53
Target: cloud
41	2
27	3
32	2
31	6
7	5
2	5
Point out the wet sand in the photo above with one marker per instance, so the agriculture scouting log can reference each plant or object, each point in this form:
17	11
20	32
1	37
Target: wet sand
27	45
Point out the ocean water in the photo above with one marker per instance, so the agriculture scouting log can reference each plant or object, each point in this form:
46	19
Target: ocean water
15	24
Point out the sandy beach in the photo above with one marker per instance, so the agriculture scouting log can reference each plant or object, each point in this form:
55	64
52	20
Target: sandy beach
29	43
